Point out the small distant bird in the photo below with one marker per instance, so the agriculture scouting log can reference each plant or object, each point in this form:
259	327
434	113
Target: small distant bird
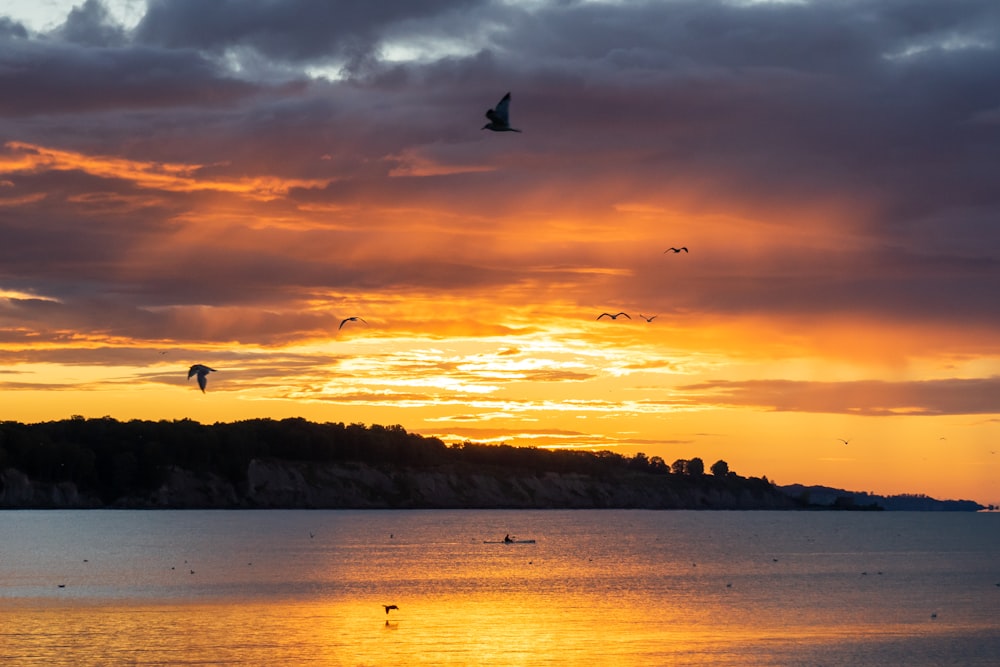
648	319
499	116
676	250
350	319
846	442
614	317
202	372
388	607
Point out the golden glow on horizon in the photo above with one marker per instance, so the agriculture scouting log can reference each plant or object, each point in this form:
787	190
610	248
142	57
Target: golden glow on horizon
507	348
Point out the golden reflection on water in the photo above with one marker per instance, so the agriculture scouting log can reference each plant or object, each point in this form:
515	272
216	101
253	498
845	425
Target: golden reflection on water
616	589
514	629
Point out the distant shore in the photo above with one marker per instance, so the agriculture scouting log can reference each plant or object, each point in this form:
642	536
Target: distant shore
295	464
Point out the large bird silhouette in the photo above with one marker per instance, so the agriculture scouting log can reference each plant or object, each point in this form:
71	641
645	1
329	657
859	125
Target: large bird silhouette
202	372
614	317
349	319
499	116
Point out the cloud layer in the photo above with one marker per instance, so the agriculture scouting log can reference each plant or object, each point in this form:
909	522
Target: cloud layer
242	175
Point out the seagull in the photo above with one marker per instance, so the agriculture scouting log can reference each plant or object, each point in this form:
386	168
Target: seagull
614	317
676	250
202	372
846	442
388	607
648	319
499	117
349	319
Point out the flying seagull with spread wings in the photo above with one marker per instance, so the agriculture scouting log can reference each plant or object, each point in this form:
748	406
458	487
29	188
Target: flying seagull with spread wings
649	318
500	116
676	250
614	317
202	372
350	319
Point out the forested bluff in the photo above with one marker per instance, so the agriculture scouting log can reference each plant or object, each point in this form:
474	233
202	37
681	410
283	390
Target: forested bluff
82	463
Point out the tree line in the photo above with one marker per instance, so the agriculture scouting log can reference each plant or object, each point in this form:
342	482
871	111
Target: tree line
111	459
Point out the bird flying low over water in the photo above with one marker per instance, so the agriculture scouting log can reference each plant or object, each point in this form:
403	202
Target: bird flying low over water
676	250
614	317
388	607
349	319
500	116
648	319
202	372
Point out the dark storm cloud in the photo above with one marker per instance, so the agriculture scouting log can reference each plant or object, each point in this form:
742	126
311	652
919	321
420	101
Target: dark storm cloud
11	29
292	29
872	398
46	77
759	109
90	24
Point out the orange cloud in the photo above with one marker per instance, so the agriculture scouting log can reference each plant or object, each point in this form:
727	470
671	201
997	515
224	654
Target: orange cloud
171	177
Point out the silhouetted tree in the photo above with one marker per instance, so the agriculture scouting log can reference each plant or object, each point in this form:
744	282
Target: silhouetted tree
720	469
696	467
657	464
640	461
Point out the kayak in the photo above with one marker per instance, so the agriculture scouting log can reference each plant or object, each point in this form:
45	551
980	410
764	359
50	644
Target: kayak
508	541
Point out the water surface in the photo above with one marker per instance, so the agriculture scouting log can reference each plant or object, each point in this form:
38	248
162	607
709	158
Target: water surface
602	587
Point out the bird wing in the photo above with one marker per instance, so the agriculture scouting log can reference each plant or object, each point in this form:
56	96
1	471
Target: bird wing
625	314
605	315
202	380
502	111
342	322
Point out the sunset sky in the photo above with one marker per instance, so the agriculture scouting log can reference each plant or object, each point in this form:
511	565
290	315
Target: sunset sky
222	183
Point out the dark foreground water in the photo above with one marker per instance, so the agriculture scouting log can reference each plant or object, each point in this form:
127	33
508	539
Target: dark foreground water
297	588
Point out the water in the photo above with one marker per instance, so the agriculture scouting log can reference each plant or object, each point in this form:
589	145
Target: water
297	588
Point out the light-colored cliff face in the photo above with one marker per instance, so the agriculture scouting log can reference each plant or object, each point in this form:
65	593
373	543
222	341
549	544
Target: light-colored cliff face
17	490
284	484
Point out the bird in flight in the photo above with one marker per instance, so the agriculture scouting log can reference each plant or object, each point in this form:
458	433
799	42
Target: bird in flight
349	319
648	319
614	317
202	372
499	116
388	607
676	250
846	442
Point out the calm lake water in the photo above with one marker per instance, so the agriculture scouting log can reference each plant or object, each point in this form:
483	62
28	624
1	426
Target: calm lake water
604	587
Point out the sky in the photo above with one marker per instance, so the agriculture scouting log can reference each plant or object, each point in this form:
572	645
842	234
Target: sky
223	183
